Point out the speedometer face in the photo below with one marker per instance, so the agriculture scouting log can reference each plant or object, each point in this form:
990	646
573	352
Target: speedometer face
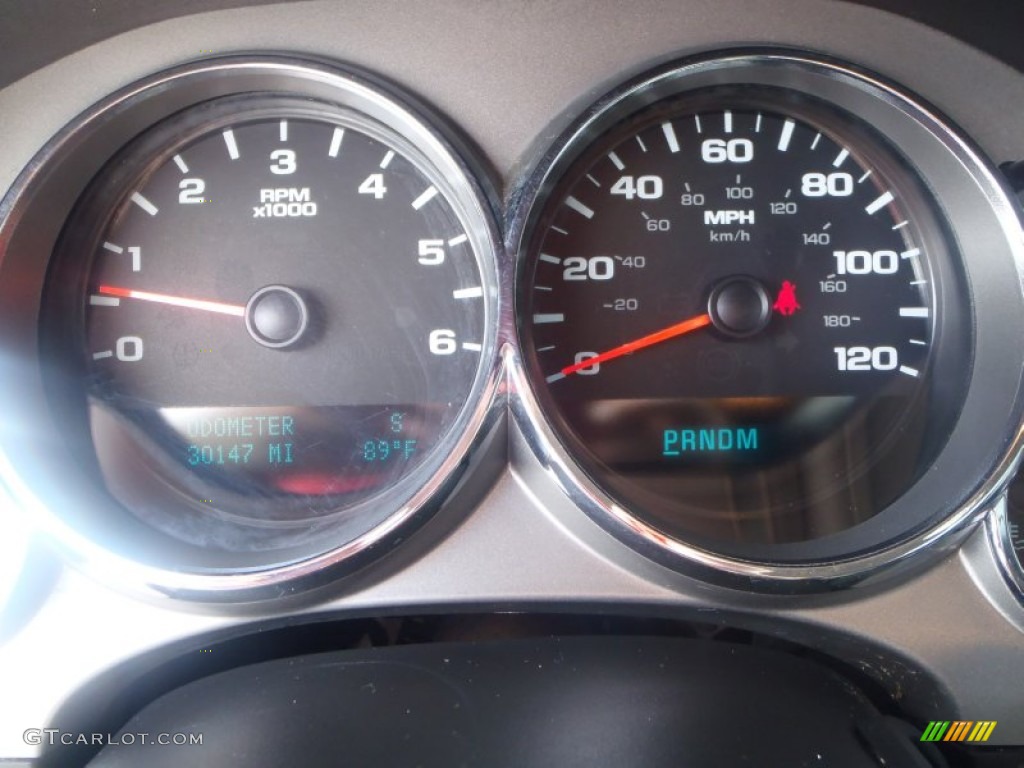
284	314
731	303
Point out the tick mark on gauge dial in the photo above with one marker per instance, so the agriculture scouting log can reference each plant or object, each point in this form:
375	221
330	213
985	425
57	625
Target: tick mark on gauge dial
552	317
579	207
428	194
144	204
232	145
336	139
786	136
670	137
879	202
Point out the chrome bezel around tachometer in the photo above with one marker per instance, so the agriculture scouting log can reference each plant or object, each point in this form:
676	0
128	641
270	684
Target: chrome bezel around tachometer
942	505
64	499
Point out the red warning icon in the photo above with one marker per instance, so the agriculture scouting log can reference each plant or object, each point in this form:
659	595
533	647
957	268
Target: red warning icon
786	304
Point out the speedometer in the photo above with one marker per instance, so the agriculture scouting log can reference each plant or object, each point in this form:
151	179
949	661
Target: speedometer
734	308
743	313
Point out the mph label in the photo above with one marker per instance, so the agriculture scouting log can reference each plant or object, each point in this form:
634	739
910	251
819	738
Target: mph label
728	218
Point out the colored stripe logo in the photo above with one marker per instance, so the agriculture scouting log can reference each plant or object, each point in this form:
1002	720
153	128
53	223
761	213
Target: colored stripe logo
959	730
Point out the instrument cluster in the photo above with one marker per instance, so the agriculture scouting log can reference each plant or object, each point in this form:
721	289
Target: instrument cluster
754	311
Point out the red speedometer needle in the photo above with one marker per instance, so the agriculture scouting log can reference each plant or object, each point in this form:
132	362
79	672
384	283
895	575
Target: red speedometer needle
177	301
650	339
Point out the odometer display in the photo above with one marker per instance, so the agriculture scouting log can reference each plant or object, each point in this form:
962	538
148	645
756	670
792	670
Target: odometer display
730	304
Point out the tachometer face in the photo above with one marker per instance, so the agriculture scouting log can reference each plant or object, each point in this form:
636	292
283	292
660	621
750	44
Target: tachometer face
284	312
732	303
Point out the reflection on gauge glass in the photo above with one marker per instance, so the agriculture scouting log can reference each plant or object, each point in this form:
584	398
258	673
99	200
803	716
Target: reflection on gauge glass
280	311
742	316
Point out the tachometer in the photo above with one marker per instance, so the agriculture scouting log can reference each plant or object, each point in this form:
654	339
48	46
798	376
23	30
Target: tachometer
270	320
742	311
283	315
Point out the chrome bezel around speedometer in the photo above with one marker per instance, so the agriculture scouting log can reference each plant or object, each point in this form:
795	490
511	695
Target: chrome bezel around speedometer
1005	536
62	495
980	219
1001	543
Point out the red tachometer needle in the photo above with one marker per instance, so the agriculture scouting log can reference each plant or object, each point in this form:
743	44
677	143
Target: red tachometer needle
177	301
650	339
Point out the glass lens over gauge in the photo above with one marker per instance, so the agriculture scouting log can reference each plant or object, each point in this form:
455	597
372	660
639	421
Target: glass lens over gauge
732	302
281	312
